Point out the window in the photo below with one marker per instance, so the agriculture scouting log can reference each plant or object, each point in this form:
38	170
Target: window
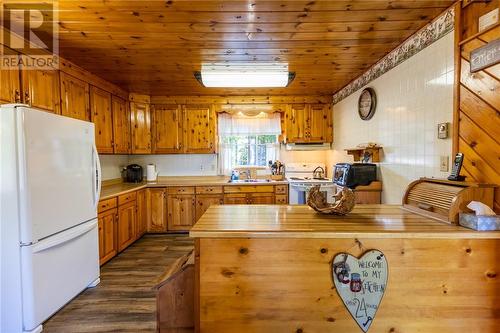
247	140
250	149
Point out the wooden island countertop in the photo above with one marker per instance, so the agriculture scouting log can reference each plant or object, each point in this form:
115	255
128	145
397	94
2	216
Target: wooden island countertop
297	221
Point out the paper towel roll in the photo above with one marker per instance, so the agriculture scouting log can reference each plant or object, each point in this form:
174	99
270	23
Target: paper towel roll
151	173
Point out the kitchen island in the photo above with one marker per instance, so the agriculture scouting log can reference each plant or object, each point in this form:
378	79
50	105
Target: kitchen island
268	268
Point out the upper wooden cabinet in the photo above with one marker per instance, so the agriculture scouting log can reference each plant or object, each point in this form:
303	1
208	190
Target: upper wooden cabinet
100	102
295	121
41	89
141	128
10	89
167	129
10	83
309	123
75	95
199	123
121	126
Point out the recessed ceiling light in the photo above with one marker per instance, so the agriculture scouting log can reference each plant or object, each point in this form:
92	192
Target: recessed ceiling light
244	75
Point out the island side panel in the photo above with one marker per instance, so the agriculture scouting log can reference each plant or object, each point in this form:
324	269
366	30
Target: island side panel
285	285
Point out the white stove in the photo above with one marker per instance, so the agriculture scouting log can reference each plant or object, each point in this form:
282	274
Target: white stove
300	177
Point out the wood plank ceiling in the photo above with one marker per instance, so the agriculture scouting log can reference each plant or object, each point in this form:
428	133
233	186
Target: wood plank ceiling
153	47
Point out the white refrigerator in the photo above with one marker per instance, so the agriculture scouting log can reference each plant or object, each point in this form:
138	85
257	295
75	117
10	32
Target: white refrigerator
50	183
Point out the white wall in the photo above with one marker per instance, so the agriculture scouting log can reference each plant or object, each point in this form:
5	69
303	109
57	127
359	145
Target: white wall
111	165
412	99
179	165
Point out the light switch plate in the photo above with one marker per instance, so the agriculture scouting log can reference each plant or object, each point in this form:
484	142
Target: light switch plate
443	163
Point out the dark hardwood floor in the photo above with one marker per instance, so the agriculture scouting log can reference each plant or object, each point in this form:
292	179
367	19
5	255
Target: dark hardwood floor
124	300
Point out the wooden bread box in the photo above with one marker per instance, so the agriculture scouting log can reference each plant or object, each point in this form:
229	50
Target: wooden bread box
444	199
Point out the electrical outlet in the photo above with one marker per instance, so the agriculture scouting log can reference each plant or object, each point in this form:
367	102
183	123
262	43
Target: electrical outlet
201	167
443	163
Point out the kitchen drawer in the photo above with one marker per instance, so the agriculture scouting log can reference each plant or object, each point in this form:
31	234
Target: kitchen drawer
181	190
281	200
208	189
249	189
281	189
125	198
105	205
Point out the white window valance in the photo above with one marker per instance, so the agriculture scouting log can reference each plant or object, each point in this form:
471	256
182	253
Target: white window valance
240	124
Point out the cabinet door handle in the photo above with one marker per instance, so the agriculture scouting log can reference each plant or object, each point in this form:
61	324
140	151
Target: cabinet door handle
17	96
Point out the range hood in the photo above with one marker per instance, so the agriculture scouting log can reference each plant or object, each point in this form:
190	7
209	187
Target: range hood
308	146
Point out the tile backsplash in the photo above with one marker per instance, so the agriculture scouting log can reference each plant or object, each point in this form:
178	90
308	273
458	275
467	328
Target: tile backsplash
412	99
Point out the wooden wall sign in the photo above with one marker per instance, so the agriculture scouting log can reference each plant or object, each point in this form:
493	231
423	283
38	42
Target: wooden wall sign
485	56
361	284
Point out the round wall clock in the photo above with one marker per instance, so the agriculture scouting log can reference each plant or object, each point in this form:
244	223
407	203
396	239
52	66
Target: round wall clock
367	103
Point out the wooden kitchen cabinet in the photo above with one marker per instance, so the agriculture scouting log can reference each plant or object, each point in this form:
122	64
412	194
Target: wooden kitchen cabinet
261	198
107	224
140	115
167	129
100	103
10	83
75	97
318	124
157	210
235	199
142	218
295	120
127	215
199	129
40	89
181	211
121	126
309	123
249	198
203	202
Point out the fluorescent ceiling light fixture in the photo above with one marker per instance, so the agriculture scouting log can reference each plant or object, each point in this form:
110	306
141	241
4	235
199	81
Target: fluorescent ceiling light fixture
244	75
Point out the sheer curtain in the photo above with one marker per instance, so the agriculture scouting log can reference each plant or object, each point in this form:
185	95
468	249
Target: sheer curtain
243	125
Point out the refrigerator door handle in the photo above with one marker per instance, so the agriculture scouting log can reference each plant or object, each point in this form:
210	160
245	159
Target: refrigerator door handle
96	176
64	237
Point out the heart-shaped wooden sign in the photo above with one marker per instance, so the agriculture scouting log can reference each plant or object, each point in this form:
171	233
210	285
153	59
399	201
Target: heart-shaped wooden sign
361	284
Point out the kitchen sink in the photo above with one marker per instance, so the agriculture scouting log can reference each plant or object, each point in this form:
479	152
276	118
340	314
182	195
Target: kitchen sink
243	181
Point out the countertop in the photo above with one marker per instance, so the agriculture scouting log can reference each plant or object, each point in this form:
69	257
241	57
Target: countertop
365	221
113	190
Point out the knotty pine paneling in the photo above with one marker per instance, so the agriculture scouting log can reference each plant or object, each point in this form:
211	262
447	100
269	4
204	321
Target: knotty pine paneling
478	112
154	47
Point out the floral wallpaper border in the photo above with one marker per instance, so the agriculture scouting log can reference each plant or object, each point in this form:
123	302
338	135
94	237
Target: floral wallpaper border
416	43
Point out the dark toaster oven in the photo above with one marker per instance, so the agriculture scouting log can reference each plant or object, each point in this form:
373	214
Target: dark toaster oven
354	174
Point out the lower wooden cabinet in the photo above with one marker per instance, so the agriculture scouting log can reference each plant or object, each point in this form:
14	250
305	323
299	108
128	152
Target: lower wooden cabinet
181	211
127	215
141	224
249	198
108	247
235	199
203	202
261	198
156	210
